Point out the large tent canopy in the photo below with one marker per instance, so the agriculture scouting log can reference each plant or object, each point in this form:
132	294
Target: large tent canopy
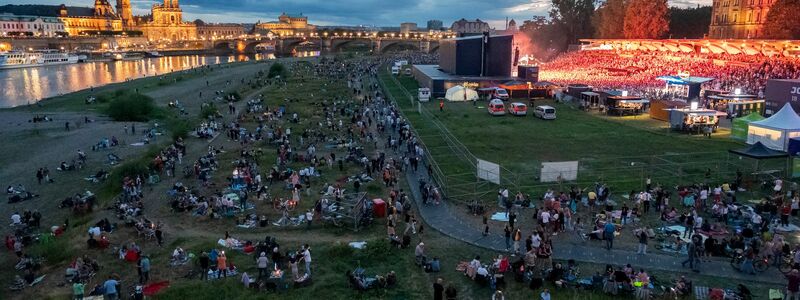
758	151
460	93
775	131
739	125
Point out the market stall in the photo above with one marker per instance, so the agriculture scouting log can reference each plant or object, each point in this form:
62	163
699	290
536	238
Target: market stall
775	131
694	120
739	125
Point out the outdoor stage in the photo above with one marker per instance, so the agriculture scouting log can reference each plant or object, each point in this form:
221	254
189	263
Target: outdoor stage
430	76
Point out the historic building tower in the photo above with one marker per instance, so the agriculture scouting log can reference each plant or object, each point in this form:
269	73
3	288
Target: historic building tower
103	9
125	13
738	19
167	23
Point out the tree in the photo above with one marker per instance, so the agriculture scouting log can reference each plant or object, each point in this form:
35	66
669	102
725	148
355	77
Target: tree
546	38
646	19
782	22
689	23
609	20
573	18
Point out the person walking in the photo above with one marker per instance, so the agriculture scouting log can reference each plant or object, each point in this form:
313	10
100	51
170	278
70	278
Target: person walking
608	234
204	263
642	241
507	233
691	256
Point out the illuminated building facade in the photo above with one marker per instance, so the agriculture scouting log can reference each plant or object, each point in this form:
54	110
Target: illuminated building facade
738	19
166	23
287	25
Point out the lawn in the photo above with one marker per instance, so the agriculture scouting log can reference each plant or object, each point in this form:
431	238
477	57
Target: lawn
621	152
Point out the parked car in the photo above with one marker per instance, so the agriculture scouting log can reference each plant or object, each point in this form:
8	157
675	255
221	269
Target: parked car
395	70
497	107
518	109
545	112
501	94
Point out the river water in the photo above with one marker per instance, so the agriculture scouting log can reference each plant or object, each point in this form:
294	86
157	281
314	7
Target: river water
29	85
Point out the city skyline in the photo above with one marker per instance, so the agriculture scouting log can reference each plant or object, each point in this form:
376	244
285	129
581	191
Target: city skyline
352	12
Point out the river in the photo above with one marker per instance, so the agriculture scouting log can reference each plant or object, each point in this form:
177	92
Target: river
29	85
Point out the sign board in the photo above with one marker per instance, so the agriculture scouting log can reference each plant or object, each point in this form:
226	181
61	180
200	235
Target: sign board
489	171
559	171
782	91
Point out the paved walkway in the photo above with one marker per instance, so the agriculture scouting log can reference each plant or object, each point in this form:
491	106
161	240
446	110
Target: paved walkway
441	218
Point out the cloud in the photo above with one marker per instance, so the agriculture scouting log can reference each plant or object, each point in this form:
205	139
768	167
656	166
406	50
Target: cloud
350	12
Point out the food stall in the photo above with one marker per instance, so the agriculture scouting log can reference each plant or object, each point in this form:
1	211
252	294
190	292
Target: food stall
736	104
590	100
683	86
542	90
575	90
694	120
622	104
517	89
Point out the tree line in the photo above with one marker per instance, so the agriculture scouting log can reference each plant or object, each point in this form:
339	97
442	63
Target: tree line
571	20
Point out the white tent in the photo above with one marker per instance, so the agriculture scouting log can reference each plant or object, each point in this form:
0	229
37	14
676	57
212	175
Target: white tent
775	131
460	93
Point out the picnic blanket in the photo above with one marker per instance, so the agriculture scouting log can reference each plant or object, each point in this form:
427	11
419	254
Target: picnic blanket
154	288
790	228
718	232
500	216
358	245
231	243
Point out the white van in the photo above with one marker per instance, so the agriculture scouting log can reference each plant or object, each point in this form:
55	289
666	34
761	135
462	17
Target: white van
395	70
497	107
501	94
424	94
545	112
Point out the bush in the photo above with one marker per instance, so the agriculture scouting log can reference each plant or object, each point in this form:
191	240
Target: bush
56	251
277	70
235	95
340	250
131	107
208	111
179	128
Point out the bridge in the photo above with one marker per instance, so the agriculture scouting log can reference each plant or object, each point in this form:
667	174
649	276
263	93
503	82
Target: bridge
285	45
239	45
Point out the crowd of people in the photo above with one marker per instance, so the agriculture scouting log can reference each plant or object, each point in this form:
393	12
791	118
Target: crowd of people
637	71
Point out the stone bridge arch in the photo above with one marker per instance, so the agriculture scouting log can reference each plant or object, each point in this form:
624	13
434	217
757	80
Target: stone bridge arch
337	45
387	46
